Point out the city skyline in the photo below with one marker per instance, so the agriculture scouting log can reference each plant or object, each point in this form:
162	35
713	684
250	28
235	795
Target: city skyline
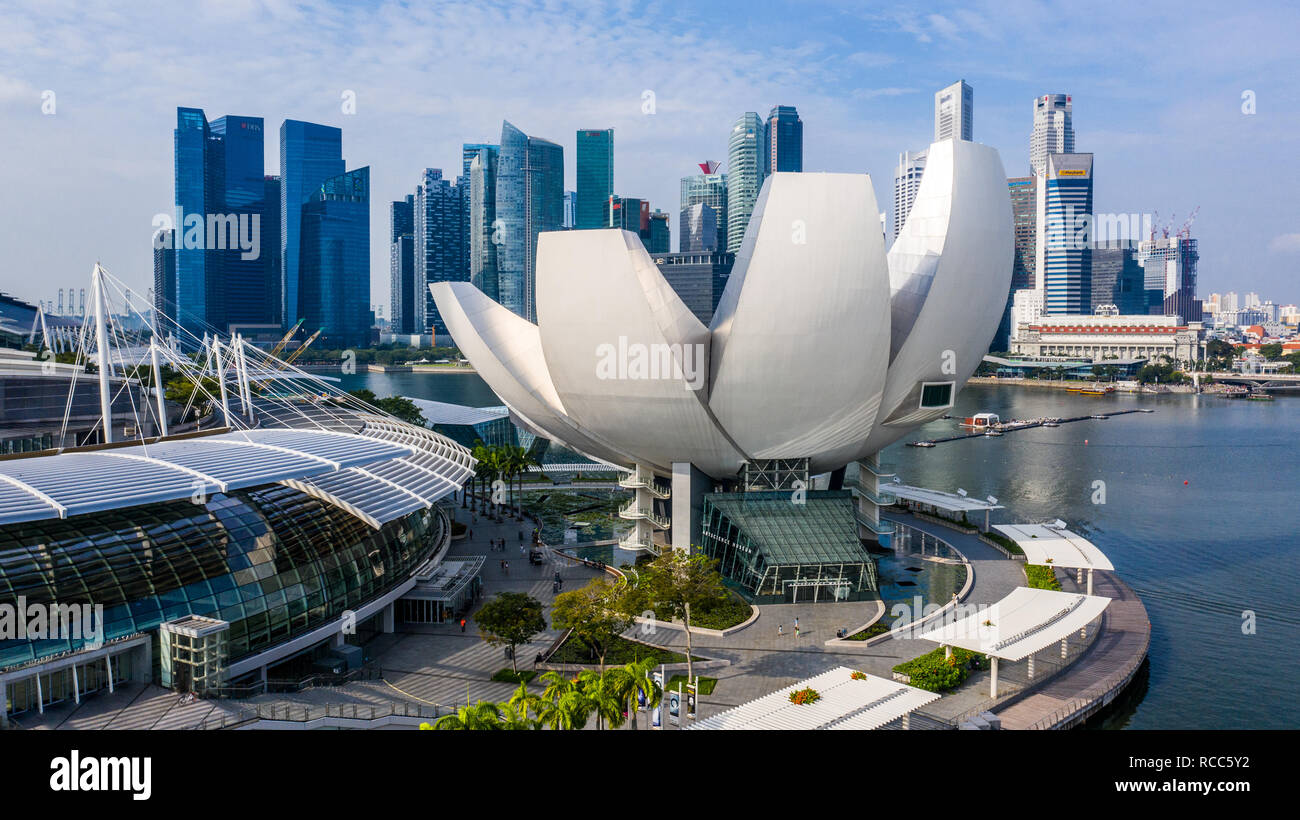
863	116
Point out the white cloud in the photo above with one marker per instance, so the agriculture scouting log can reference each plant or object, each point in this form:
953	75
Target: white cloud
1285	243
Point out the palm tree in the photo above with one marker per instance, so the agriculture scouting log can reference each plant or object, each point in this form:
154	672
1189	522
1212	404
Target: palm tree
564	703
637	680
480	454
482	715
604	691
526	461
520	704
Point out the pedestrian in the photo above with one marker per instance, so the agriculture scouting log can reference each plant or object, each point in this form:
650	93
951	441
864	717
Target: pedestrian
796	624
796	632
462	624
507	566
780	630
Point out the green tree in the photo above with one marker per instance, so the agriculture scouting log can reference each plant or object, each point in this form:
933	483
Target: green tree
510	619
675	582
482	715
402	408
1271	352
521	704
564	703
604	690
598	614
637	680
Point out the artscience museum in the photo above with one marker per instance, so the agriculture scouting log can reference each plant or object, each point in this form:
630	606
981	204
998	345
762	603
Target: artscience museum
826	346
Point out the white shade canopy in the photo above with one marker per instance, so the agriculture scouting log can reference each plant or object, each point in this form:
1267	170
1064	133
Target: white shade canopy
1020	624
949	502
1055	547
845	703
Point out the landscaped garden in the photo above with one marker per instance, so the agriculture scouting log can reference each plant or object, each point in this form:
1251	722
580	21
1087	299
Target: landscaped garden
1040	576
621	651
935	672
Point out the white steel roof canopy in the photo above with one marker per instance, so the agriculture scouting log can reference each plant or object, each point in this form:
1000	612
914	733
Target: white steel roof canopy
58	486
1055	547
1020	624
949	502
845	703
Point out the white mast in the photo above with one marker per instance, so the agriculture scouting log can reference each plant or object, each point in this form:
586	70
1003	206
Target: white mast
105	355
158	388
221	380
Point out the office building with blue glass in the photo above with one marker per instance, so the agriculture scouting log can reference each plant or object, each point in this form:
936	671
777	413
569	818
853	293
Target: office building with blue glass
309	155
529	200
595	169
1064	262
784	140
334	283
401	265
439	252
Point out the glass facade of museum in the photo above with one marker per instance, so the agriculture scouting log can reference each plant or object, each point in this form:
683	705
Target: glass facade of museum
271	561
779	547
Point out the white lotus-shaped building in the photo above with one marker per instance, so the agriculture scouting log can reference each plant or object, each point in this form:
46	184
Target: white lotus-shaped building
824	348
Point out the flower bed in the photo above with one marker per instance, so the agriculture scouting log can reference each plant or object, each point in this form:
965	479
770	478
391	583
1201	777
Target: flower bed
856	675
1040	576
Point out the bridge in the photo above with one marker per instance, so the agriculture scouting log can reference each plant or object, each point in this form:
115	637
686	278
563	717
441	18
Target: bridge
1271	382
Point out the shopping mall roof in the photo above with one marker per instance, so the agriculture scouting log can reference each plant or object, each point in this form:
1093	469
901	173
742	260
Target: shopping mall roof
1020	624
845	703
949	502
818	528
440	412
104	478
1057	547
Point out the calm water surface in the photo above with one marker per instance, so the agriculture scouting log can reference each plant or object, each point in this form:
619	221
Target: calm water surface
1199	518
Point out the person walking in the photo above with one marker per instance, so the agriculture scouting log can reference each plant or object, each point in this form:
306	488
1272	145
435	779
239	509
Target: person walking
462	624
780	630
796	632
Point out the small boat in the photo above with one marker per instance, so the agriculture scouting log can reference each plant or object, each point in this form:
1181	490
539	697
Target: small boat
1099	416
1051	424
1259	397
1145	410
1096	390
992	433
1074	389
982	421
920	444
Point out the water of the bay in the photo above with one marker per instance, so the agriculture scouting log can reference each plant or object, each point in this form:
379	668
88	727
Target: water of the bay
1197	510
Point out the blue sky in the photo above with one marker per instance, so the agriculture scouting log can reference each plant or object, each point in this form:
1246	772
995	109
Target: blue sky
1157	91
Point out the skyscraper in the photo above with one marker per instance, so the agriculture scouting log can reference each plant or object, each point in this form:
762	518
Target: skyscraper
530	199
570	210
1169	266
1053	130
484	238
1024	219
439	245
334	283
223	273
907	181
164	274
660	238
784	140
309	155
1117	278
708	188
954	112
1064	255
746	170
401	266
699	229
595	177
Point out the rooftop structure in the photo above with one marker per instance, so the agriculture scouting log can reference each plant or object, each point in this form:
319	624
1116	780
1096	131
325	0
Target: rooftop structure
846	703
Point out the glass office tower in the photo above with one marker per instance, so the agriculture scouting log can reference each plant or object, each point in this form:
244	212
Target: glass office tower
530	199
334	286
482	216
309	155
401	265
195	288
746	170
245	281
439	245
1064	264
784	139
710	190
595	177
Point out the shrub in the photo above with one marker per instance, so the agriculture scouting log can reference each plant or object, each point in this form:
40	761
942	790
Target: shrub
805	696
934	672
1006	543
1041	576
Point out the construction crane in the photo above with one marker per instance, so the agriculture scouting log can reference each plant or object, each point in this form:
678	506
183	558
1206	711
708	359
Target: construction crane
294	355
275	351
1186	231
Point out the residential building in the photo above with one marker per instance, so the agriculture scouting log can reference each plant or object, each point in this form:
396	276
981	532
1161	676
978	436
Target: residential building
439	245
595	172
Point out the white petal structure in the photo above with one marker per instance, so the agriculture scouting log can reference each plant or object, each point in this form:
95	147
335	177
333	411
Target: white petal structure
822	345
